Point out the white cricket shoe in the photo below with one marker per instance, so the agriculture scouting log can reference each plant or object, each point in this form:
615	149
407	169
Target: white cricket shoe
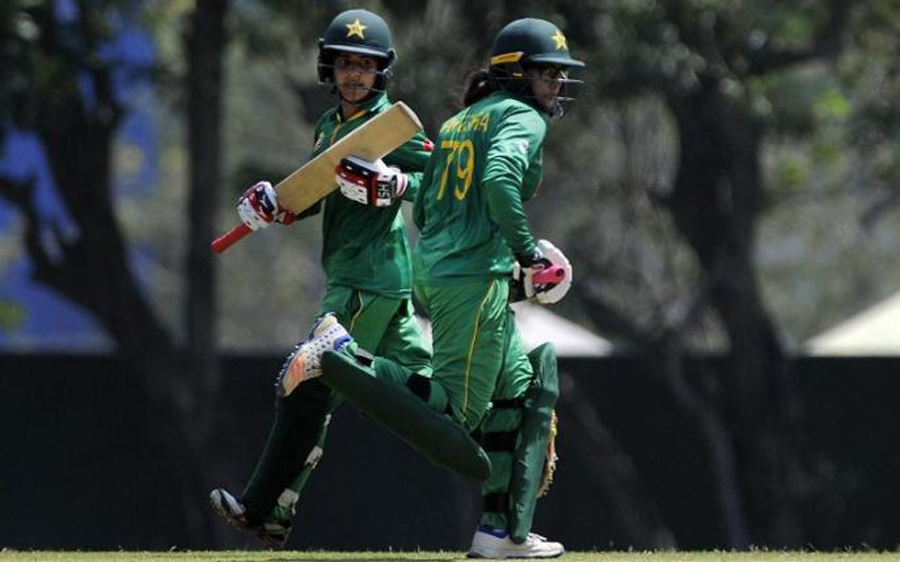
232	509
304	362
495	543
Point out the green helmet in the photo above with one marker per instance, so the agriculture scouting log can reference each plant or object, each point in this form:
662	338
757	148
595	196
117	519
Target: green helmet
356	31
528	43
532	41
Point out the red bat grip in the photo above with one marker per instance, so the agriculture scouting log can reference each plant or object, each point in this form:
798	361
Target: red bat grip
225	241
553	274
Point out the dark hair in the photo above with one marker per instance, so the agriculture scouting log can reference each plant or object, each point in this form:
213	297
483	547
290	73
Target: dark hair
479	86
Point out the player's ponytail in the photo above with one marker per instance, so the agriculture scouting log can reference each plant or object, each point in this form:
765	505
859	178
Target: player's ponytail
479	86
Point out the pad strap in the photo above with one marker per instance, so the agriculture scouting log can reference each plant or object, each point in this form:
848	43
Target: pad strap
364	357
420	386
509	403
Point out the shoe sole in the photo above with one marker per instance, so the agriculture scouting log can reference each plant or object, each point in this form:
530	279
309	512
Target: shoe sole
293	375
476	555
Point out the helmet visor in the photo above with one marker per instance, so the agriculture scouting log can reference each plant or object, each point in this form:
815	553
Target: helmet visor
337	48
551	87
556	60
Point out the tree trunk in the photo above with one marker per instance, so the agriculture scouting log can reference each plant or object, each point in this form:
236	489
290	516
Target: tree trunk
205	46
714	204
93	271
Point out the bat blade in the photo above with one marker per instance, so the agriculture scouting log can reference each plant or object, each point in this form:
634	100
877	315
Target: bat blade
374	139
377	138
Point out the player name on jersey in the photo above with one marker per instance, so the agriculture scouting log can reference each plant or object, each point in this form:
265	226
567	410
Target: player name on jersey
466	123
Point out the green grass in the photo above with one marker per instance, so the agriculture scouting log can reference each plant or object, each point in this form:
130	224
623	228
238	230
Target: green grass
298	556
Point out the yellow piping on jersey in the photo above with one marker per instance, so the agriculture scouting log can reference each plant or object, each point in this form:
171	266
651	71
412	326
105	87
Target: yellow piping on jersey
515	56
358	312
334	133
341	122
472	343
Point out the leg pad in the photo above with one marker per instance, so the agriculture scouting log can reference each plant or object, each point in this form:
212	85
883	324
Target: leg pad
397	409
531	454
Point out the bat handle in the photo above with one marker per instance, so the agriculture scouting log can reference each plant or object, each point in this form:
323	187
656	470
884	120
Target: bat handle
225	241
553	274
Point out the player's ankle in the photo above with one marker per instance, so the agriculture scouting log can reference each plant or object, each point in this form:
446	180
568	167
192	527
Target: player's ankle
494	531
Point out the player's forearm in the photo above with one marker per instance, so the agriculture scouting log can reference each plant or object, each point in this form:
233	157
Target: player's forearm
412	159
411	156
507	211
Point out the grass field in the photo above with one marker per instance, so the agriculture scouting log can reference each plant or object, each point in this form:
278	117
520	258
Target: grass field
299	556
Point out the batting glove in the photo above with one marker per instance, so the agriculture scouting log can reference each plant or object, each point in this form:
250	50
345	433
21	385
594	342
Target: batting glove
524	286
370	183
258	207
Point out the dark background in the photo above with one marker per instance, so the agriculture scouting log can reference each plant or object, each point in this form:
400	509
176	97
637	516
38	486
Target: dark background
80	467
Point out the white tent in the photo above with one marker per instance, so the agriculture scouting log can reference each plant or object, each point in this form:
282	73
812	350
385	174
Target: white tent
538	325
875	331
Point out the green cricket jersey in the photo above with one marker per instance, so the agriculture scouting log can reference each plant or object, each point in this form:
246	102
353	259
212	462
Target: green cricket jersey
365	247
487	162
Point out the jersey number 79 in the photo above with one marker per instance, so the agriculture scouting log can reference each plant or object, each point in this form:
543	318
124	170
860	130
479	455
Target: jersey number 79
461	155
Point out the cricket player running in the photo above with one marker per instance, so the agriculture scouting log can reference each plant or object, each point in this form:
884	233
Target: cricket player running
366	258
475	249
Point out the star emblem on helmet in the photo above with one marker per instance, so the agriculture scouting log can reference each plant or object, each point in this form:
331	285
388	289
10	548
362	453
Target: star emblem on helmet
357	28
560	40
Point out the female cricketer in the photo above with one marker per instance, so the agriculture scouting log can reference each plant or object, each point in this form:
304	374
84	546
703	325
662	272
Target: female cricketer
366	258
475	247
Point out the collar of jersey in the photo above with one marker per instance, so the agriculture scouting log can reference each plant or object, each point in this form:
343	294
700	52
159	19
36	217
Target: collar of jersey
374	105
503	94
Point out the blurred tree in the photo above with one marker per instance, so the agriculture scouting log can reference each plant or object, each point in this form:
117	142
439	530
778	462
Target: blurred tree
205	45
63	90
715	65
871	78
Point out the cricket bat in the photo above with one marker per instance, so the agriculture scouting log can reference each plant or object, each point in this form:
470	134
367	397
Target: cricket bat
314	180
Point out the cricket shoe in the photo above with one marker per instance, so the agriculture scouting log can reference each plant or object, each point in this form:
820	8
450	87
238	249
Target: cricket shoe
304	362
232	509
495	543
